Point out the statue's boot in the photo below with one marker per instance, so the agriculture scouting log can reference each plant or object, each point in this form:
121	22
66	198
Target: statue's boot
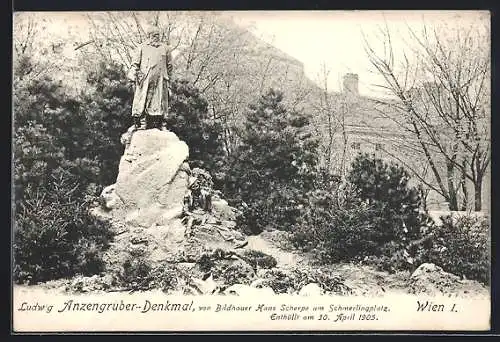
140	122
137	122
163	126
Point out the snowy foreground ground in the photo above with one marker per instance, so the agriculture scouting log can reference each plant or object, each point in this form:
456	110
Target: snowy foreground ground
361	279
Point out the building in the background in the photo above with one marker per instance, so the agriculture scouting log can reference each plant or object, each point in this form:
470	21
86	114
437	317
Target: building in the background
351	84
362	124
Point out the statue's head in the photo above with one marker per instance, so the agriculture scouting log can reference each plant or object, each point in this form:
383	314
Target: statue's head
154	34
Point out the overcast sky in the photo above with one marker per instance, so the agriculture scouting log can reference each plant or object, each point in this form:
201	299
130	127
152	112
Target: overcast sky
335	37
331	37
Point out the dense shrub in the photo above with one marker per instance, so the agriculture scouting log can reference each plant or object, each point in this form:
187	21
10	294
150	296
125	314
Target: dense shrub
230	273
372	218
138	274
258	259
57	173
384	186
460	246
54	234
83	131
336	230
273	168
205	263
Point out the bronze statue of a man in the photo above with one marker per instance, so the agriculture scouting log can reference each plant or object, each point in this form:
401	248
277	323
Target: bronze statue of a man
151	70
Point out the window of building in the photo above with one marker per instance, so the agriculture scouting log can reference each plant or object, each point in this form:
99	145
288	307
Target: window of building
356	145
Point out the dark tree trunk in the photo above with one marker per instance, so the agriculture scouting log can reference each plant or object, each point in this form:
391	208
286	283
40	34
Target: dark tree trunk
478	185
452	200
463	183
453	203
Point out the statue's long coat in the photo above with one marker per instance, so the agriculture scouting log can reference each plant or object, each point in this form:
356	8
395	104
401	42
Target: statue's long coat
153	65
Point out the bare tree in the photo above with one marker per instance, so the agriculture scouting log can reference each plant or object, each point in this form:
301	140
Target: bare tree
115	35
326	109
441	89
31	59
231	67
25	30
331	110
